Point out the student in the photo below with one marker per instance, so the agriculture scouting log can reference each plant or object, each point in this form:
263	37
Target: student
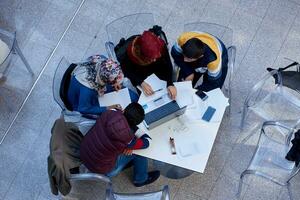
93	78
198	54
107	147
144	55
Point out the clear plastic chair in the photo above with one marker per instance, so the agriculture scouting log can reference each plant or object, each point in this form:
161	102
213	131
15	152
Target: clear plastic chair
128	25
269	160
80	120
156	195
225	34
11	41
272	101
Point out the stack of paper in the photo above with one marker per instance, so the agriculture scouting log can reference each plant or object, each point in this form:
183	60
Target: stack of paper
185	93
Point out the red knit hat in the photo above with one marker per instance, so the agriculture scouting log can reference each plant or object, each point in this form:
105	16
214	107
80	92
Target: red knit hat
146	48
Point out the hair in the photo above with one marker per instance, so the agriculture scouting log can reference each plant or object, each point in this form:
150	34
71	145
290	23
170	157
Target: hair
134	114
193	48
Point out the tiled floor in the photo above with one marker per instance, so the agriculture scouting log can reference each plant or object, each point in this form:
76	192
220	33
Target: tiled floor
265	31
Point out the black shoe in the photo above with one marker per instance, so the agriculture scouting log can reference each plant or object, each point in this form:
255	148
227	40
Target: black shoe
152	176
128	165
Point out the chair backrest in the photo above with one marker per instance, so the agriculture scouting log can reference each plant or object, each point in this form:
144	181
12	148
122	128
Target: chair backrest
224	33
90	177
9	39
274	143
61	82
263	88
129	25
156	195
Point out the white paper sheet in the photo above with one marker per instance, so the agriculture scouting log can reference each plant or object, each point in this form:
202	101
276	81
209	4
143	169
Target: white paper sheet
155	83
184	93
121	97
216	99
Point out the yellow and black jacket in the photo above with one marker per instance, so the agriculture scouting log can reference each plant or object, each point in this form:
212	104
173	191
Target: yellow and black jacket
210	63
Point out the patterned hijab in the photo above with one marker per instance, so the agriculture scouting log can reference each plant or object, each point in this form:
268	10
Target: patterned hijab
98	72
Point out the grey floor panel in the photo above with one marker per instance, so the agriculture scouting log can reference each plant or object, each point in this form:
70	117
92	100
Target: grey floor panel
262	36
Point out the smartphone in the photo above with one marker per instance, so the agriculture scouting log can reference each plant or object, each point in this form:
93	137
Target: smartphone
209	113
202	95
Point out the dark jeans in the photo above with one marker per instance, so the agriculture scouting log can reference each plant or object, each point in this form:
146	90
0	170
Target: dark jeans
140	165
210	83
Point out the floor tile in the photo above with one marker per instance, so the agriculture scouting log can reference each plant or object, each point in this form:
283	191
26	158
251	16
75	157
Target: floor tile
53	23
226	188
262	191
214	14
186	195
27	17
38	106
255	7
13	153
244	27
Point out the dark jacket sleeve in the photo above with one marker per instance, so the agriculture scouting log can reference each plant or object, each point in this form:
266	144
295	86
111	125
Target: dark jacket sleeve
86	104
178	59
165	68
131	72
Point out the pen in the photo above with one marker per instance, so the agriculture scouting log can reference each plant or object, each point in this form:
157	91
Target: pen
157	99
173	150
158	90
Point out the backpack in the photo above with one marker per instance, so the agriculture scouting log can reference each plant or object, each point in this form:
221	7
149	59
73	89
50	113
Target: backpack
121	48
290	79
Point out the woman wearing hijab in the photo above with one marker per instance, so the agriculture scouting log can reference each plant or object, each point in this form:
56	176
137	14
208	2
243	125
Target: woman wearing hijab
147	54
93	78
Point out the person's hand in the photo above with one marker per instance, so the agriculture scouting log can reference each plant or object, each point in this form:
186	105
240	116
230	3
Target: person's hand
172	92
117	86
127	152
115	106
189	77
147	89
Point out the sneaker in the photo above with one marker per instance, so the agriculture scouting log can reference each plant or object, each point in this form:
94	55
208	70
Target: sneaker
152	176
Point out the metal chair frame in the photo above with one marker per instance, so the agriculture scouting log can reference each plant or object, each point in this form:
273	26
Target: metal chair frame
76	117
287	142
14	48
256	89
110	195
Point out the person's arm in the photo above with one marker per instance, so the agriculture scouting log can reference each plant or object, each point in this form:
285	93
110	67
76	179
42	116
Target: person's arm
139	143
168	68
130	72
178	59
87	104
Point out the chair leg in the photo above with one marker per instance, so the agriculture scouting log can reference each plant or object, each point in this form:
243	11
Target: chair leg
289	191
238	194
246	172
5	102
244	113
18	50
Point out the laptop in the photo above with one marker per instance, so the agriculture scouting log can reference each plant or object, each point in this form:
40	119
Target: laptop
163	114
